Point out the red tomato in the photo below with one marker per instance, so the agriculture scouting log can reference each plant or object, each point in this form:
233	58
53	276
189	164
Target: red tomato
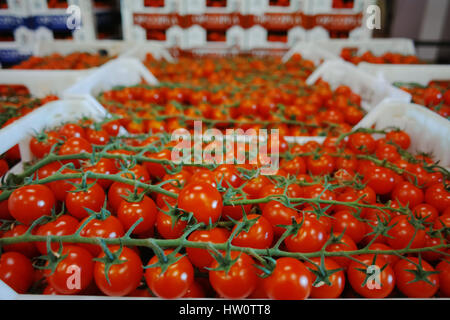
167	228
28	249
444	278
345	221
74	272
16	271
204	201
202	258
380	179
380	286
409	284
75	146
258	236
438	197
321	165
109	227
71	130
62	226
425	211
278	214
361	143
130	212
402	233
240	280
310	237
344	244
336	279
41	146
290	280
401	138
77	202
407	194
29	203
174	282
123	277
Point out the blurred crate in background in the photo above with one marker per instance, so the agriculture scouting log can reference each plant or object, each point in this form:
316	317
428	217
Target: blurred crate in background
15	37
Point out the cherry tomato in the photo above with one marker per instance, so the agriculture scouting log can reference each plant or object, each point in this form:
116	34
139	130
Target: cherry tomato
77	202
130	212
16	271
290	280
310	237
258	236
29	203
62	226
123	277
174	282
336	279
202	258
408	283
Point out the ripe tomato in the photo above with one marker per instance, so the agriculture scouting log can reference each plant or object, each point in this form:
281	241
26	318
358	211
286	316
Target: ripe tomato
16	271
123	277
438	197
278	214
345	221
103	166
402	233
336	279
361	143
166	227
71	130
380	179
130	212
116	193
380	286
444	278
390	258
98	137
295	166
408	283
75	145
41	146
62	226
401	138
425	211
407	194
77	202
344	244
174	282
240	280
310	237
228	175
258	236
28	249
29	203
202	258
109	227
320	165
203	200
74	272
195	290
290	280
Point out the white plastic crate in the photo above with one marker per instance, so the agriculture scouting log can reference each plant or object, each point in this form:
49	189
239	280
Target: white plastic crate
199	7
47	116
64	47
372	90
140	50
42	83
12	53
119	72
417	73
429	132
310	51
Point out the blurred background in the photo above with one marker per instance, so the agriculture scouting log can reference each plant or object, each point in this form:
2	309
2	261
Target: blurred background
244	24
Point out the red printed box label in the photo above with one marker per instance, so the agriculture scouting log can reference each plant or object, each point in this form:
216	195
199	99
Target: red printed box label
338	21
155	21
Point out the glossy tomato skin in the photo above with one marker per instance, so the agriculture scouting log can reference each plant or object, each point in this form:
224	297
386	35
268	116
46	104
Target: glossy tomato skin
444	278
345	243
93	199
203	200
345	221
27	249
277	214
109	227
75	145
357	273
415	289
165	226
117	191
337	280
174	282
438	197
62	226
202	258
259	235
310	237
239	282
402	232
290	280
124	277
64	278
407	194
29	203
16	271
130	212
41	147
380	179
